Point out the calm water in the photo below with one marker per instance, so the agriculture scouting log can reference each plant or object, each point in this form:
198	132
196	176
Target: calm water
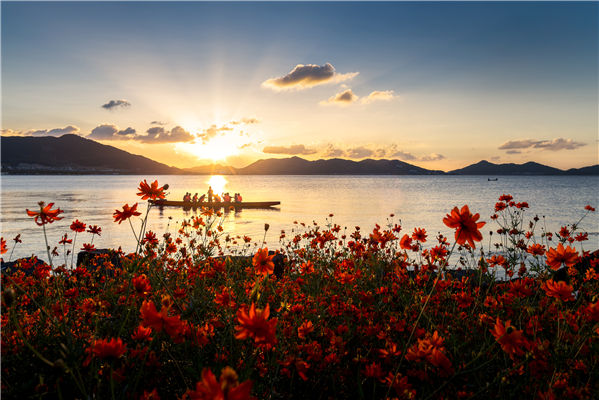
419	201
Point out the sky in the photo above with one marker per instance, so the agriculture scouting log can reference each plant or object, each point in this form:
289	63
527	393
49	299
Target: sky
439	85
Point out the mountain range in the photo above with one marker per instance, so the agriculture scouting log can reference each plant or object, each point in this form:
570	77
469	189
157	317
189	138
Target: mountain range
73	154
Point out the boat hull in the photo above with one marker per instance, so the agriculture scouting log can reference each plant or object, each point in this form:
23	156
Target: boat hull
215	205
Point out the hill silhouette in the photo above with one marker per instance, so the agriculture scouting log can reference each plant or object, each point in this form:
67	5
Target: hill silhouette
73	154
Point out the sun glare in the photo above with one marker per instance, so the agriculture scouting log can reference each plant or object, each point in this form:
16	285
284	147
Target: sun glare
215	149
218	183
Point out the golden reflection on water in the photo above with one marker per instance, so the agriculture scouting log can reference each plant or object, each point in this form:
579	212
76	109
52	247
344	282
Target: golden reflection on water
218	183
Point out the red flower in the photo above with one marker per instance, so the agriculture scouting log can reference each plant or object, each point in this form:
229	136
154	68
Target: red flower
151	192
3	248
306	328
159	321
103	348
255	324
560	290
511	340
94	230
141	283
17	239
65	240
142	333
88	247
128	212
263	262
467	229
46	215
78	226
497	260
559	255
406	242
589	208
226	388
419	235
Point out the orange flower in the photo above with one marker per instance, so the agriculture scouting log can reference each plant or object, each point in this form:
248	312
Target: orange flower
536	249
559	255
141	283
159	321
46	215
467	229
560	290
3	248
255	324
128	212
263	262
151	192
510	339
226	388
103	348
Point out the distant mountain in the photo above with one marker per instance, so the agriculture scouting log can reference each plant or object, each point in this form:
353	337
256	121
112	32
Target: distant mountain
487	168
592	170
73	154
335	166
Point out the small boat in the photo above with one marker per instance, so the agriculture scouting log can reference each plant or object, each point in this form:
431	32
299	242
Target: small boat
492	179
222	204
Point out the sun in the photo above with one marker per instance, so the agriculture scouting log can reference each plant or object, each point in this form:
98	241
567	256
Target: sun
215	149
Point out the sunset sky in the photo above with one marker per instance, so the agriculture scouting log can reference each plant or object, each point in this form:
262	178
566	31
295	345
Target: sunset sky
439	85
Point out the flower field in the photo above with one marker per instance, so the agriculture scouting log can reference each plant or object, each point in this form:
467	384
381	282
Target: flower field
502	309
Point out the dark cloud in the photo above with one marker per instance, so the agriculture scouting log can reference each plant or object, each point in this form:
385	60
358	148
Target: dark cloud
513	152
103	132
305	76
70	129
126	132
296	149
158	134
112	104
157	123
359	152
344	98
379	95
552	145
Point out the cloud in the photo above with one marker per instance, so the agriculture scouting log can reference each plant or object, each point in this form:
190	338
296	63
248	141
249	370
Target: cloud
112	104
111	132
404	156
343	99
552	145
245	121
158	134
103	132
513	152
432	157
306	76
359	152
333	151
378	95
290	150
157	123
126	132
213	131
70	129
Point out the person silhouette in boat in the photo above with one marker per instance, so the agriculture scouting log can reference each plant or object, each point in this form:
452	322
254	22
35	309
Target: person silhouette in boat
194	199
227	197
210	194
203	198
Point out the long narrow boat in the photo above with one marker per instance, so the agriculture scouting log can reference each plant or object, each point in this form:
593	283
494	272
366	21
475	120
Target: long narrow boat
222	204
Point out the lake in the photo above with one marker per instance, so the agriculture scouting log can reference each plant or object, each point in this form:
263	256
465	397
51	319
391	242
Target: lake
418	201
